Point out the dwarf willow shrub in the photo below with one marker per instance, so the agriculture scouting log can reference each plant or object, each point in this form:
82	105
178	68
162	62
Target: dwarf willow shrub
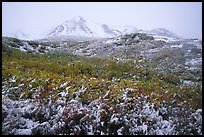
46	72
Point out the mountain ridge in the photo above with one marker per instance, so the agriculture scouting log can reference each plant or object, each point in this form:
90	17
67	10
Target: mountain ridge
79	27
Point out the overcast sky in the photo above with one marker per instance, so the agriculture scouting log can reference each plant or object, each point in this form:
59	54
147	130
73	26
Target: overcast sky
39	18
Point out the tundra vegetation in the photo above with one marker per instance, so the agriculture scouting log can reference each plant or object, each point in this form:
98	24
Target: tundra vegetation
58	92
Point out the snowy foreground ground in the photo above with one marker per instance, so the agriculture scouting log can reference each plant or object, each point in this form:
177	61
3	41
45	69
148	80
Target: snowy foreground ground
132	115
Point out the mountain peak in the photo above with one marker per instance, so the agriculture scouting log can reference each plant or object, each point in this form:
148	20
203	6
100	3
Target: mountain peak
161	29
78	26
79	18
76	19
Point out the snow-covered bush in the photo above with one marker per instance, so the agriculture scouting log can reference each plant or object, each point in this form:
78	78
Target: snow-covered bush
131	116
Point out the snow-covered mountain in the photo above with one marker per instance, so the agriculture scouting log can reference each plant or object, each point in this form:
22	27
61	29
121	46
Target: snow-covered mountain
103	30
79	27
72	27
164	34
21	35
126	29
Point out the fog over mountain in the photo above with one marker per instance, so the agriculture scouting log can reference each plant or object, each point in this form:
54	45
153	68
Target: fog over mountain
78	27
184	19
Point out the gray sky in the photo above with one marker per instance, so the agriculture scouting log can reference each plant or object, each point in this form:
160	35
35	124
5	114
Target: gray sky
39	18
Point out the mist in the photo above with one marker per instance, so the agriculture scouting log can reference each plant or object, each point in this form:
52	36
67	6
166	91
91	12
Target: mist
39	18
